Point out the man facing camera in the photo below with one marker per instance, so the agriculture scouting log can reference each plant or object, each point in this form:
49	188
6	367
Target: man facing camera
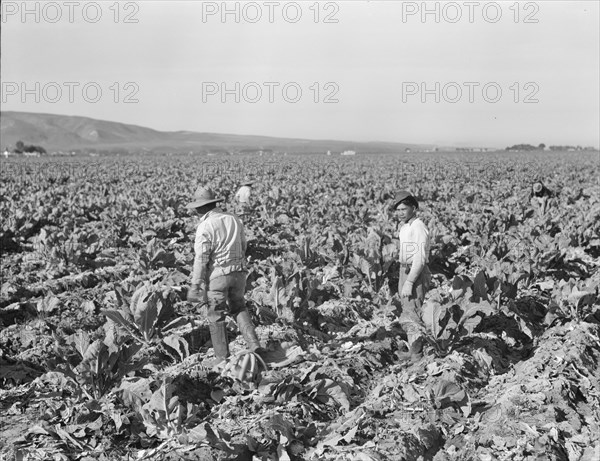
414	278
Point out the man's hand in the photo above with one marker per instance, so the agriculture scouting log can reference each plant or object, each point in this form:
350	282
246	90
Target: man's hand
407	289
195	295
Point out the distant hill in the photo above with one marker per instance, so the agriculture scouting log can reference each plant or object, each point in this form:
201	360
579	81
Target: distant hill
68	133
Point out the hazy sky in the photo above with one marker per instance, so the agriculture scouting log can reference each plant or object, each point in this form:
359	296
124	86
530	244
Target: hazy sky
502	72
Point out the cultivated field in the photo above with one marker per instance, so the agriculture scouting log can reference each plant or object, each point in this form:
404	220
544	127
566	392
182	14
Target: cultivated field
509	371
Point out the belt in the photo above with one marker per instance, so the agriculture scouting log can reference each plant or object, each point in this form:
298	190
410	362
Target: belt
405	264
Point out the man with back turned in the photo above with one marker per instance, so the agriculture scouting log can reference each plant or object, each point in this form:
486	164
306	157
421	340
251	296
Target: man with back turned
219	272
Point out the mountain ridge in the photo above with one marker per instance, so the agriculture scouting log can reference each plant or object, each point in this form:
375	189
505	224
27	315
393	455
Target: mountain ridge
57	132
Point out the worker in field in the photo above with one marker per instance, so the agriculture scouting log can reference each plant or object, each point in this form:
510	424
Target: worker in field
414	278
219	272
243	197
540	197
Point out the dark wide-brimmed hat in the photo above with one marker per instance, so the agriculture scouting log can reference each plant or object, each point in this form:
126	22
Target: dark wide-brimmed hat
248	181
538	186
203	196
401	196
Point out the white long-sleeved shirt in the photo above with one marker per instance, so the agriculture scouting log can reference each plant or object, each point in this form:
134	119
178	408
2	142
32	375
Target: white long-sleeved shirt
414	247
243	194
220	246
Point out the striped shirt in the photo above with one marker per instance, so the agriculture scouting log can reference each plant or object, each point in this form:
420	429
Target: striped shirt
220	246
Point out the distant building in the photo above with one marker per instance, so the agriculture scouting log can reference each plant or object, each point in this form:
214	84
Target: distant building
471	149
348	152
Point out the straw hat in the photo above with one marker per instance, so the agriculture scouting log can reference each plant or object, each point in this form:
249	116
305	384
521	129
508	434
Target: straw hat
203	196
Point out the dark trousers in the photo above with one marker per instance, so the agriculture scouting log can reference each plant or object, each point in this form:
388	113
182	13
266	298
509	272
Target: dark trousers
226	296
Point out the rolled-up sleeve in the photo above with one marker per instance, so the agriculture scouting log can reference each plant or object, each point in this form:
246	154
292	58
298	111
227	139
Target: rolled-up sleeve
244	241
420	237
202	249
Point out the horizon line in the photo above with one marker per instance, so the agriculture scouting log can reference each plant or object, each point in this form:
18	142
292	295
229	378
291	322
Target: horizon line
457	145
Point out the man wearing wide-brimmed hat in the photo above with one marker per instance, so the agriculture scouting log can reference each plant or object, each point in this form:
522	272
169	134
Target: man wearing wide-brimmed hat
415	277
540	197
219	273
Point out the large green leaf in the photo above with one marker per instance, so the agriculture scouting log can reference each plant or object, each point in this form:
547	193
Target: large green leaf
95	357
135	392
471	310
179	344
81	341
433	317
480	287
119	319
446	393
460	285
326	389
145	311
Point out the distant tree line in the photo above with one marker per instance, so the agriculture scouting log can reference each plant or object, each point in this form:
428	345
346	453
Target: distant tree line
526	147
571	148
542	146
20	148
